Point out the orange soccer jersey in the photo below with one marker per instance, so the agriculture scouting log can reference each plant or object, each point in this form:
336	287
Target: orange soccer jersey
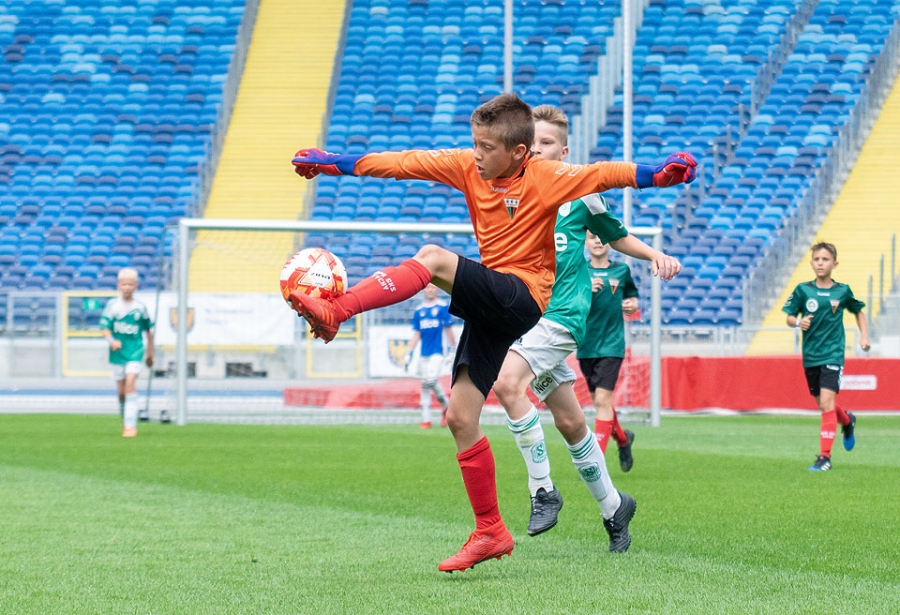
513	217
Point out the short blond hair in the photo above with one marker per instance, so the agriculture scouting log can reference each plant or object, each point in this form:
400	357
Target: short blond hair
128	274
553	115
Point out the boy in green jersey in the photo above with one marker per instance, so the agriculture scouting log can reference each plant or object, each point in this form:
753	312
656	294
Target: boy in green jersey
539	358
124	322
603	351
817	309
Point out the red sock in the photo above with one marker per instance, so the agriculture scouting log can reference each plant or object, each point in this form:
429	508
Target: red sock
618	433
826	435
386	287
480	479
842	417
602	430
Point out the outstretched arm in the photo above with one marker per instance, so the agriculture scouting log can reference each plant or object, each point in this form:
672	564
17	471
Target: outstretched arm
863	331
437	165
667	267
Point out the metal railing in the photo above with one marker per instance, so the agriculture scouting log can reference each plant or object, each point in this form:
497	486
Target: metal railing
776	267
230	87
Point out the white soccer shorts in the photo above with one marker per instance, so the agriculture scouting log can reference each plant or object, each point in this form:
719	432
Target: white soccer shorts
545	349
120	369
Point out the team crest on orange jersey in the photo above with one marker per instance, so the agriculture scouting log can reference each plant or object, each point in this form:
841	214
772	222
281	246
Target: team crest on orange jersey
511	205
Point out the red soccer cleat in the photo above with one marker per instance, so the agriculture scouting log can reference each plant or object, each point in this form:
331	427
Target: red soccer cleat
319	314
490	543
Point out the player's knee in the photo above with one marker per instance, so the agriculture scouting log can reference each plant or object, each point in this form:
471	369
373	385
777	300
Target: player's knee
428	385
436	259
569	425
507	389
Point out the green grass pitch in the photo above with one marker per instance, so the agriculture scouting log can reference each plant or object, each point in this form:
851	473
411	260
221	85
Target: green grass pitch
336	519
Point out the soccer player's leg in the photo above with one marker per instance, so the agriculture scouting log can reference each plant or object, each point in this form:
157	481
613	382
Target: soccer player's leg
388	286
118	374
536	353
847	421
617	509
816	380
429	380
497	309
490	539
130	417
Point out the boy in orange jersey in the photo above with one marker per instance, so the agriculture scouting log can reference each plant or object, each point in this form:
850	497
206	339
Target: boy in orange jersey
513	199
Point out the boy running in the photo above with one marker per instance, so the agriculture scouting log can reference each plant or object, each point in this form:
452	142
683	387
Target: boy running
817	309
123	324
431	322
539	358
513	199
613	293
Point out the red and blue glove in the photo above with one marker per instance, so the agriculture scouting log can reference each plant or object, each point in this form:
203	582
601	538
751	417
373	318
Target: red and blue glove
680	168
310	162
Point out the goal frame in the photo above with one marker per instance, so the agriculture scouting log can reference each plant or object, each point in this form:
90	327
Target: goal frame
187	225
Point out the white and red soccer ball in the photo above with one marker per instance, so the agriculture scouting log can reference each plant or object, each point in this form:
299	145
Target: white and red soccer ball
315	272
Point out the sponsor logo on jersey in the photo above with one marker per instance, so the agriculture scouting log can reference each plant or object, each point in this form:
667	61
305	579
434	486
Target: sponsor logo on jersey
565	209
397	351
835	304
823	293
173	318
561	241
499	189
812	305
789	299
429	323
511	206
125	328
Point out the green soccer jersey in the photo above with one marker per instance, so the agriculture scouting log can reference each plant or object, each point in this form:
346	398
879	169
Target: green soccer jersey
571	299
605	323
823	342
127	321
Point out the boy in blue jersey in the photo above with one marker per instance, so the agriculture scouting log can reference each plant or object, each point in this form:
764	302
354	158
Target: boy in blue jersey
539	357
431	322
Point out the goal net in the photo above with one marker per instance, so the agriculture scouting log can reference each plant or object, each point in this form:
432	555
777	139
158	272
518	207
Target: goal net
230	349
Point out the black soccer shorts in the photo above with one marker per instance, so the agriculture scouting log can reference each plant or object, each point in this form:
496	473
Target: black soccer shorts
601	373
824	377
497	309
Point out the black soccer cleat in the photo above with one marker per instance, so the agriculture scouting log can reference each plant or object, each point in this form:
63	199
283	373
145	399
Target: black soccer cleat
626	459
848	432
545	507
617	525
822	464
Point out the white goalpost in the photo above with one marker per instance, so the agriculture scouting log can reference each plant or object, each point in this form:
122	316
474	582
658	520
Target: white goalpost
233	342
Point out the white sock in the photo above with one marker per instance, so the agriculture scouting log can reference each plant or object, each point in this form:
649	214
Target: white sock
425	399
591	465
530	439
131	410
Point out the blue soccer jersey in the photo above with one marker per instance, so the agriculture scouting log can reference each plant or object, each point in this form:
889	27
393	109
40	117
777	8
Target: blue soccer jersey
429	321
